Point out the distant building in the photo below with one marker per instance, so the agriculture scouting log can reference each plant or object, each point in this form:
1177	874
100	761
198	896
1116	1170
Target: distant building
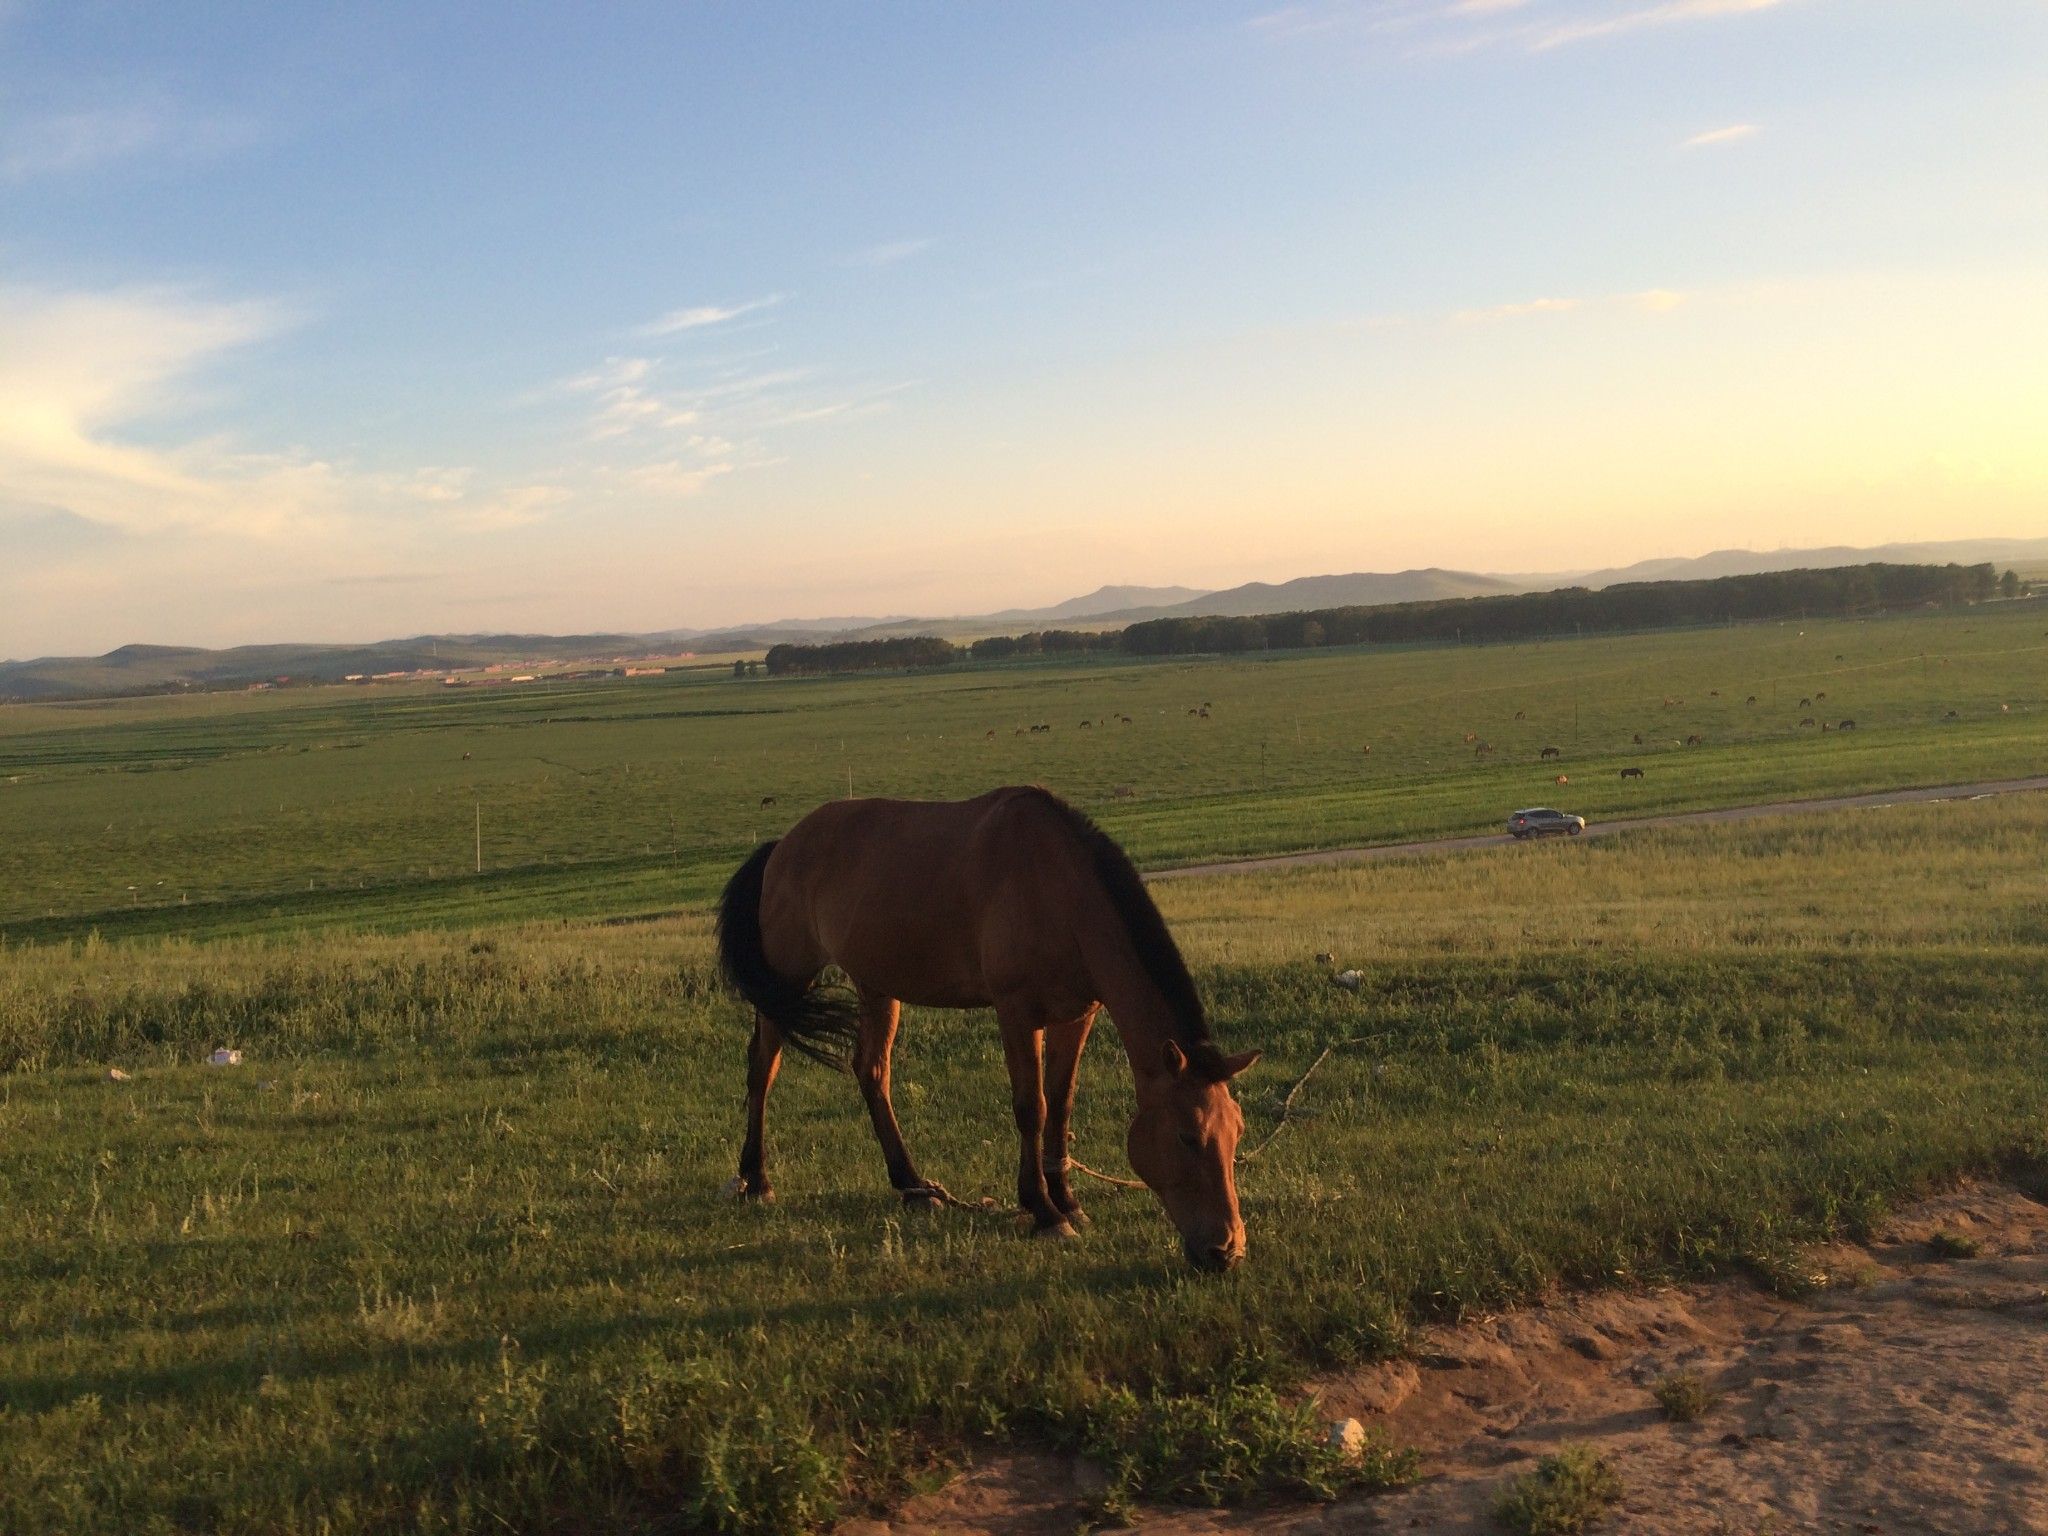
646	671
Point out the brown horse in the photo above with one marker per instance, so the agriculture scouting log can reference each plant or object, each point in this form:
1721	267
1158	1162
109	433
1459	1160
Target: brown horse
1013	900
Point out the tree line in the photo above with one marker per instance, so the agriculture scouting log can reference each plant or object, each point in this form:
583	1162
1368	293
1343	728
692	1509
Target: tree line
1841	592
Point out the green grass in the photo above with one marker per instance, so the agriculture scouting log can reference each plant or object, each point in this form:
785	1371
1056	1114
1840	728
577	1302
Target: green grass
448	1251
1567	1493
237	814
1685	1396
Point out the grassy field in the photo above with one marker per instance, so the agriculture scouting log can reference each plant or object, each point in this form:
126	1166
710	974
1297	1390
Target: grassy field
235	814
447	1251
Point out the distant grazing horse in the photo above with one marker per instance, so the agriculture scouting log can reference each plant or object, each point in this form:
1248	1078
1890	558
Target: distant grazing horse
1807	721
1639	738
1951	715
1846	725
1695	741
766	801
1013	899
1484	749
1631	773
1806	703
1550	752
1750	700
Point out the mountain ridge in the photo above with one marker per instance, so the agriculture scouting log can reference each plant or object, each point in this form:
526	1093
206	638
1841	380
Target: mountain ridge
142	667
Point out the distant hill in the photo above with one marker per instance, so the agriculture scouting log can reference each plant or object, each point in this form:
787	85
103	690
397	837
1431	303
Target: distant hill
1361	589
1102	601
134	669
1750	562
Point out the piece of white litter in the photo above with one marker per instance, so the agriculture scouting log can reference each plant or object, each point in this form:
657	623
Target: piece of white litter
224	1058
1350	981
116	1075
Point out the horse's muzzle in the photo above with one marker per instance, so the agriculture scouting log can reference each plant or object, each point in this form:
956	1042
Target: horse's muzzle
1215	1257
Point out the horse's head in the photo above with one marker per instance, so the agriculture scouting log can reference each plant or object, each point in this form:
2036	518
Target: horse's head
1183	1144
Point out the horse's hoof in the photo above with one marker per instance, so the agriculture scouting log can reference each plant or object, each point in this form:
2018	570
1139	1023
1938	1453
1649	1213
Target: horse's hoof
1078	1217
737	1188
1058	1229
923	1199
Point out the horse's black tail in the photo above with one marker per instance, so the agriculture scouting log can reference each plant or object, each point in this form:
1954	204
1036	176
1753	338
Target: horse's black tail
817	1022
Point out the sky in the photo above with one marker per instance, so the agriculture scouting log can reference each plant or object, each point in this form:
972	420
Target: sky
331	322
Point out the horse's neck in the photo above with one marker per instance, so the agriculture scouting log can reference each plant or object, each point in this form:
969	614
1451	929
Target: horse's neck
1144	1021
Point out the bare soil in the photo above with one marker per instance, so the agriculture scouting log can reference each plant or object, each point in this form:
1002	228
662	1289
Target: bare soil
1906	1396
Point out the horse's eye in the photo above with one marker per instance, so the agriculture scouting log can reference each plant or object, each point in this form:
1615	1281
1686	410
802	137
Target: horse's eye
1190	1140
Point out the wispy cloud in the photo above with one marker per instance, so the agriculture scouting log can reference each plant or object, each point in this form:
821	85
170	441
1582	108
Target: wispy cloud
1636	18
1655	301
1467	26
72	142
1729	135
889	252
699	316
1517	311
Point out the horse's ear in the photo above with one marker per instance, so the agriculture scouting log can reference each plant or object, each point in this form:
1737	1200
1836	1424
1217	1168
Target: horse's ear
1241	1062
1173	1058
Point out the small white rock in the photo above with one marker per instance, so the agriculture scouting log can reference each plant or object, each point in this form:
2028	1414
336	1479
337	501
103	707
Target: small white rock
1347	1437
116	1075
1350	981
224	1058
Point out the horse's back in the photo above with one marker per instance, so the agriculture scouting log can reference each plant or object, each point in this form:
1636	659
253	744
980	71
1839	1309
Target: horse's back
928	901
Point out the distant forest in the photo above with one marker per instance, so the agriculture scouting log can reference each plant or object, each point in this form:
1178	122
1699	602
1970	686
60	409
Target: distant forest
1841	592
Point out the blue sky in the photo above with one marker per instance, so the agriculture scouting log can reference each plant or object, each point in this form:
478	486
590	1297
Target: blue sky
335	322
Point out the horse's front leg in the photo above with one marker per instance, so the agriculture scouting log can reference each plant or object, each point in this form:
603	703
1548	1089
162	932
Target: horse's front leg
1023	1052
1063	1046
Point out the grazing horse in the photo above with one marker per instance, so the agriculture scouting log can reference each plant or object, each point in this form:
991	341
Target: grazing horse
1549	752
1695	741
1846	725
1631	773
1013	899
766	801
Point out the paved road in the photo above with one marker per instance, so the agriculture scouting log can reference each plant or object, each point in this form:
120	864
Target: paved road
1609	828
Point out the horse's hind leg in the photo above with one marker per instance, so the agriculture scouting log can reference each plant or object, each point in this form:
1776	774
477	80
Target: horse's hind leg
879	1018
764	1059
1063	1046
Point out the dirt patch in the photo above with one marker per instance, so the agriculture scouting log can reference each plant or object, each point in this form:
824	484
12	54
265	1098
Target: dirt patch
1907	1397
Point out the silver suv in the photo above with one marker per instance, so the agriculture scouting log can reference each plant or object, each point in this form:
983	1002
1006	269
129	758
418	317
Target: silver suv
1542	822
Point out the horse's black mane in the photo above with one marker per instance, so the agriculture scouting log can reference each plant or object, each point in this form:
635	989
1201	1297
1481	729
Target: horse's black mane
1157	952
